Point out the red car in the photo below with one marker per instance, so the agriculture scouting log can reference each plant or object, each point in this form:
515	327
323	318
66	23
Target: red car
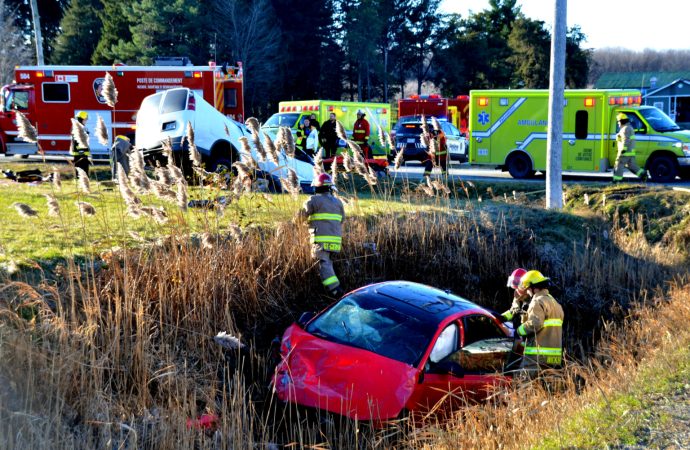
391	348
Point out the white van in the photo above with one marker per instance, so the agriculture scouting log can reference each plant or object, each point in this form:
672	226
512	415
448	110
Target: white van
165	115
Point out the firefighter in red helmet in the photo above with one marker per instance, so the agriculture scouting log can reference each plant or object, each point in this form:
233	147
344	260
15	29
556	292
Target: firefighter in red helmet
520	298
325	214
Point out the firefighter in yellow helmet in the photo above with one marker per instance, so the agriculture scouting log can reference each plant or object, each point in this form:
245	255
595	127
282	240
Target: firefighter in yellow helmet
543	329
626	150
80	153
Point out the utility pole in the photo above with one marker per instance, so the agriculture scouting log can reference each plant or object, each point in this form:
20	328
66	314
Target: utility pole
554	139
37	32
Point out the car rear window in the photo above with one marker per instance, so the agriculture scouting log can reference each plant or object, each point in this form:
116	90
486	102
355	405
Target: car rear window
150	105
175	100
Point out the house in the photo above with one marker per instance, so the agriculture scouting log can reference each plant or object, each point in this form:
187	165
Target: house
668	91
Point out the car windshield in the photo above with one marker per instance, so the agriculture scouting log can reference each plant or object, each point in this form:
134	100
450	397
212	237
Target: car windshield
368	323
658	120
282	120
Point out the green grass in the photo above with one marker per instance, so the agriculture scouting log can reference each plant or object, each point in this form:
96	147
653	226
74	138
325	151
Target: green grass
626	418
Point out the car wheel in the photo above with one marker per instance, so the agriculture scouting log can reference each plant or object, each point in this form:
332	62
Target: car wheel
520	166
663	169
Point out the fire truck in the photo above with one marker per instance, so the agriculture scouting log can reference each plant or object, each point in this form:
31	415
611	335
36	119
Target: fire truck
50	95
454	110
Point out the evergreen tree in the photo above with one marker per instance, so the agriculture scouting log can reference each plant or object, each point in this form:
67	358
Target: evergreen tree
577	59
116	19
165	28
81	28
530	44
13	48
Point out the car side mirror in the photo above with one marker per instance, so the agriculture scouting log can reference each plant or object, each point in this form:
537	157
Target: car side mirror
305	318
449	367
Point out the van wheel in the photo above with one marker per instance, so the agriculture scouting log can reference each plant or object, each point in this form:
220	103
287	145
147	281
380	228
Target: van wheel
520	166
663	169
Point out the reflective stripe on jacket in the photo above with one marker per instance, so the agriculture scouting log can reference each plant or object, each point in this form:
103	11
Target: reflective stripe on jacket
325	214
543	330
626	140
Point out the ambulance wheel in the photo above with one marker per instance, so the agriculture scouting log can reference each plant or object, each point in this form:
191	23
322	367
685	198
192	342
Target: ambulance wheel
663	169
520	166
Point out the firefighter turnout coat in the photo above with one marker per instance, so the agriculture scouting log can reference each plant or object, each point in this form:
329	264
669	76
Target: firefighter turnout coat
360	131
543	332
325	214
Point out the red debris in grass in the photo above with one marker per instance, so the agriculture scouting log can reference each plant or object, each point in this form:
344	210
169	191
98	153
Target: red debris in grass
204	422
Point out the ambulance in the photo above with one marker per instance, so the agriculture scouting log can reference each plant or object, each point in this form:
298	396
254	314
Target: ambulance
508	130
293	113
50	95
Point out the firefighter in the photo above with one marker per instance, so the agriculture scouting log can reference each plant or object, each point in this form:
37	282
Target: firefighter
516	312
441	154
360	133
325	214
329	137
119	153
626	151
81	154
543	328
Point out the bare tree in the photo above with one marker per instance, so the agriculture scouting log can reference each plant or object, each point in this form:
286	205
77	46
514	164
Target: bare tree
14	50
626	60
249	33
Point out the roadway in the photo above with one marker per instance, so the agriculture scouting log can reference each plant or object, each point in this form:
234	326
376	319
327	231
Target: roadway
413	171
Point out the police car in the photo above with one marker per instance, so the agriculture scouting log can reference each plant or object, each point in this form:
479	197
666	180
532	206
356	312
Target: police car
407	138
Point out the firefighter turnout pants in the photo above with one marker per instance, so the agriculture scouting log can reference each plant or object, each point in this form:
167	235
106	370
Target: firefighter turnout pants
328	278
82	162
626	161
441	161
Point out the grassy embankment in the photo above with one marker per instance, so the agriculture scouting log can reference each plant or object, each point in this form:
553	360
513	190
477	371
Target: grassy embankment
121	351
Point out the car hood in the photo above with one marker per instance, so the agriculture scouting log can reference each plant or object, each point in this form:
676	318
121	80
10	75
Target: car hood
349	381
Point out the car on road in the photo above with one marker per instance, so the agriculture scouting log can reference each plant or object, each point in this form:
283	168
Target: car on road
394	348
407	139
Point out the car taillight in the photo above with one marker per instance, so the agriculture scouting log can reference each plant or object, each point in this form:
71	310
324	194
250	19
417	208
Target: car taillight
191	103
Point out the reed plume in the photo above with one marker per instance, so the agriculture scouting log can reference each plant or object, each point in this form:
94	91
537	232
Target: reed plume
382	137
347	162
123	185
182	196
57	183
228	341
425	125
253	124
168	150
83	181
24	210
256	140
101	131
399	159
435	124
340	130
194	154
109	91
79	133
53	205
290	141
85	209
271	148
26	131
246	154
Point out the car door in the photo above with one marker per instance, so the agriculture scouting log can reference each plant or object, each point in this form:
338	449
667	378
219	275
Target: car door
465	364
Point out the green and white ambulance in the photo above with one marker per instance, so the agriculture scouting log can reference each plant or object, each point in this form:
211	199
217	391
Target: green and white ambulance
508	130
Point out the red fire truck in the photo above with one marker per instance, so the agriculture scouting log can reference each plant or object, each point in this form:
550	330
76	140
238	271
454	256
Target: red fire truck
455	110
50	95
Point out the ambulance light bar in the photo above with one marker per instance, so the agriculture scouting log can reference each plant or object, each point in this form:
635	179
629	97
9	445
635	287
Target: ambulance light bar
483	101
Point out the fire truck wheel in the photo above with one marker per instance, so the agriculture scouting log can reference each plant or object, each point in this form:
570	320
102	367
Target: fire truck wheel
663	169
519	166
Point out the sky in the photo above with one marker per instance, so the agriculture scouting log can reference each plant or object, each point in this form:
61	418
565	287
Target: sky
633	24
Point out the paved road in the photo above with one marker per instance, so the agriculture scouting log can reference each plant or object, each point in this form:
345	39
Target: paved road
414	171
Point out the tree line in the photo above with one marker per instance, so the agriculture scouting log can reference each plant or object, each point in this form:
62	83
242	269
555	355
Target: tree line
365	50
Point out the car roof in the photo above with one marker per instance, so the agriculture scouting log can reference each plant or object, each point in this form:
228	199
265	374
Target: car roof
427	303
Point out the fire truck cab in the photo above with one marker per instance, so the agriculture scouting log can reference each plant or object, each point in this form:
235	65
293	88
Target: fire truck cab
454	110
50	95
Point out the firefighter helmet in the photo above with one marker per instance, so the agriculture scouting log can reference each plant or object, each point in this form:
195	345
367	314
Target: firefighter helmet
531	278
323	179
82	115
515	277
359	111
621	116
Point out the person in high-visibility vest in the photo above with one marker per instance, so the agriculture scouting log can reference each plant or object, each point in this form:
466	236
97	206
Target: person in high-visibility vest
441	154
325	214
80	154
360	133
543	329
625	139
516	312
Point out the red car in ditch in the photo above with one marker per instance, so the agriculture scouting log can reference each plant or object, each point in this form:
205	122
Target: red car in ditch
392	348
